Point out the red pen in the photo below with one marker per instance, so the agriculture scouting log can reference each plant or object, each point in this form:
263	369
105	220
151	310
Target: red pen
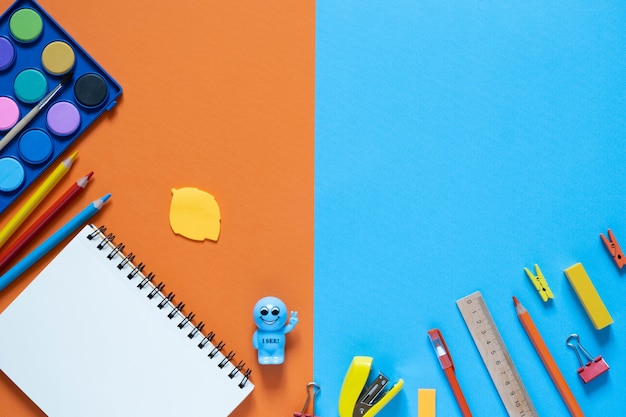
436	339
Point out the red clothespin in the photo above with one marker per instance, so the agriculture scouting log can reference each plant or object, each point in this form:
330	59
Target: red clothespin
312	389
614	249
591	369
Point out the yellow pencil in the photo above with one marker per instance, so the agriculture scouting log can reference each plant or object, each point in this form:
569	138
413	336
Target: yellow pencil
36	198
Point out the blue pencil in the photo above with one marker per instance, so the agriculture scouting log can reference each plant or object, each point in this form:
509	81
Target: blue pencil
55	239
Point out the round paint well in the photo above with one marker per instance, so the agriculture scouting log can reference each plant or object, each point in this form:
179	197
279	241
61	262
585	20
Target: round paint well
26	25
11	174
35	146
63	118
7	53
9	113
58	58
30	85
91	90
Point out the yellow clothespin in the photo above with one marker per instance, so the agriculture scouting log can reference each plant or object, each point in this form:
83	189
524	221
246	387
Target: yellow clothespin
357	400
540	283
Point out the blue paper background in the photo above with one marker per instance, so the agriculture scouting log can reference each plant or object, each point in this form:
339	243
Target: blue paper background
458	142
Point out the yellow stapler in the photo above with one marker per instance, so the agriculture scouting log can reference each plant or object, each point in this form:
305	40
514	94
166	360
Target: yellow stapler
355	399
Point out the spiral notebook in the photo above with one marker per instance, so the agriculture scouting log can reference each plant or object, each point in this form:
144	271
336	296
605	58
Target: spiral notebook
93	335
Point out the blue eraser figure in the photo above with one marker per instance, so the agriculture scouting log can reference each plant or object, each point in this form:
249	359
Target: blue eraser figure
270	317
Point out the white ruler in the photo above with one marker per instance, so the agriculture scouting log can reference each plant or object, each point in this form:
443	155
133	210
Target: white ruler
495	356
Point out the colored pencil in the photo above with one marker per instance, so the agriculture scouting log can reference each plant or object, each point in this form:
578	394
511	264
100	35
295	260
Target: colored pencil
35	199
547	359
54	240
11	134
7	255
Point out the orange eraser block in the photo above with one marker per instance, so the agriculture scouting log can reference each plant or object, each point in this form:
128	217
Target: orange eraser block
426	406
588	296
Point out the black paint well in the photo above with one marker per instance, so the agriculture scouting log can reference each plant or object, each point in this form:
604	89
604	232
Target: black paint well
90	90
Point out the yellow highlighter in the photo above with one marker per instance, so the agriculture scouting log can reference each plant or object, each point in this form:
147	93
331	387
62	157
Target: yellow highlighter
35	199
588	296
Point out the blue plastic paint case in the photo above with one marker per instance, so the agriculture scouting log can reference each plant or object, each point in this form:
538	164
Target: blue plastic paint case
35	54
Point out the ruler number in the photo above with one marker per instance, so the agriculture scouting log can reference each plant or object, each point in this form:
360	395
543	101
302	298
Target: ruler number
495	356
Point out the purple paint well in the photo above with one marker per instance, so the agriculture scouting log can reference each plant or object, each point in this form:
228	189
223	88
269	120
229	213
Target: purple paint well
63	118
7	53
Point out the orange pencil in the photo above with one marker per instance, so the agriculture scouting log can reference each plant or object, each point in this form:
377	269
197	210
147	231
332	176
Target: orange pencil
7	255
547	359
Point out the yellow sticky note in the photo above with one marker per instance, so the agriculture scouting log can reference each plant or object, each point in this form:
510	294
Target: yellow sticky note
588	296
194	214
426	406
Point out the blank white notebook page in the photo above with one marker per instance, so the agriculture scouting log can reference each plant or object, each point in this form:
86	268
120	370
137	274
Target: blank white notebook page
83	340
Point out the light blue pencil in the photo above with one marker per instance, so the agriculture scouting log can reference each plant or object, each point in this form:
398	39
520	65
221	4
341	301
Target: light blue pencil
49	244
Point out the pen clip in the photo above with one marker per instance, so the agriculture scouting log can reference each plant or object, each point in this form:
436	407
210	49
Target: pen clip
441	349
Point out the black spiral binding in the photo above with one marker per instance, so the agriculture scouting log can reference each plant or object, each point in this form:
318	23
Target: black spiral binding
106	241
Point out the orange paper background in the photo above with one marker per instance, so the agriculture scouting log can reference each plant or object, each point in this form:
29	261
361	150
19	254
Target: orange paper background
219	96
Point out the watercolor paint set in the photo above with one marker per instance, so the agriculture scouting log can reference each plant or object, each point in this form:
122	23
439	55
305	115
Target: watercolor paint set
43	68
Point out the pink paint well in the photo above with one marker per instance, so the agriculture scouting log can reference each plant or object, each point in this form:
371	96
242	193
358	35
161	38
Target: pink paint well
9	113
